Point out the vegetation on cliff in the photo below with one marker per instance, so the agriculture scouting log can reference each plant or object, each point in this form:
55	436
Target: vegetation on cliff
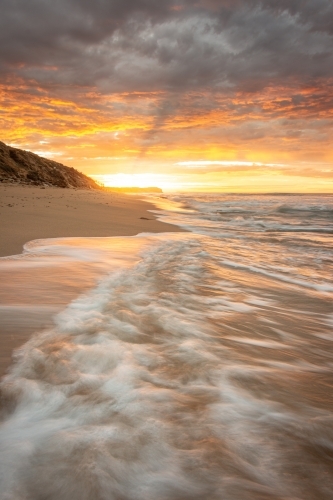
23	167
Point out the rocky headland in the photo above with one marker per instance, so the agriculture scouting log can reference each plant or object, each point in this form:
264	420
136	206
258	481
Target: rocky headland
25	168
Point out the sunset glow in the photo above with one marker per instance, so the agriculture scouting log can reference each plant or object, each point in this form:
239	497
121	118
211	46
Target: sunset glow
203	96
137	180
166	181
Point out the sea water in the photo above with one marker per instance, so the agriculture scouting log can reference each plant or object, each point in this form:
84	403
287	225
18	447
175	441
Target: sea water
195	365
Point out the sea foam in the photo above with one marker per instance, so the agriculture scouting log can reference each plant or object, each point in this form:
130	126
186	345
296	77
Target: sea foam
175	375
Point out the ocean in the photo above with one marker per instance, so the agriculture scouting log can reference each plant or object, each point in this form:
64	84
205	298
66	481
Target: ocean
194	365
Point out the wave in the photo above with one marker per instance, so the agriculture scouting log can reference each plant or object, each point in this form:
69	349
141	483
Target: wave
293	280
195	368
308	210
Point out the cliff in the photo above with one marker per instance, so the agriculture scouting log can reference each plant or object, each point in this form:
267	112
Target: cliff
23	167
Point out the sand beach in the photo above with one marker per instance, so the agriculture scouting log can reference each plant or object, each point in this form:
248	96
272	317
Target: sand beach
28	213
31	213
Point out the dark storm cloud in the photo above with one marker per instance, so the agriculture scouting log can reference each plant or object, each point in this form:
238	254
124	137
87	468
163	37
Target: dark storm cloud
44	32
317	14
149	45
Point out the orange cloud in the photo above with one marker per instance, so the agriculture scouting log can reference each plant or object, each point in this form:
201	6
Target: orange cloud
109	133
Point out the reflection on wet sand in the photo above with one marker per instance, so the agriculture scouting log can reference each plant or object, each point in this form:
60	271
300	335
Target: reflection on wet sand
175	375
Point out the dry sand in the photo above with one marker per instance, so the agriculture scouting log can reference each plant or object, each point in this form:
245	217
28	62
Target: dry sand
29	213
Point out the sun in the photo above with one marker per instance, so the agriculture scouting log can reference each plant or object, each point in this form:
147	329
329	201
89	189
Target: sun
142	180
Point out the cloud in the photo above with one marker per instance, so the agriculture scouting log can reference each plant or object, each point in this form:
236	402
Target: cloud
246	80
224	163
147	45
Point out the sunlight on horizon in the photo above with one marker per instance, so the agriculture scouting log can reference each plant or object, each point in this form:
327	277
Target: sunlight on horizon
236	182
142	180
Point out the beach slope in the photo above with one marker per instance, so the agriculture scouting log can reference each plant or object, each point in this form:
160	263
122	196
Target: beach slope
30	297
28	213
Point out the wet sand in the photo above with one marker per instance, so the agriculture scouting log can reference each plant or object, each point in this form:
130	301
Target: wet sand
29	213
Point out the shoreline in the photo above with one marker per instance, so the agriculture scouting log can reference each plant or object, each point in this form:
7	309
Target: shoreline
33	213
30	213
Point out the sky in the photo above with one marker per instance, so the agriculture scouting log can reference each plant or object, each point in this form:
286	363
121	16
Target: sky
200	95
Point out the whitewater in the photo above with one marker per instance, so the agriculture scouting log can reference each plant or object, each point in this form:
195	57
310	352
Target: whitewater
195	365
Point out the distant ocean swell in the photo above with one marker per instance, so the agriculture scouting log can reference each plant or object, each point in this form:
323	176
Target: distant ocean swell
198	368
